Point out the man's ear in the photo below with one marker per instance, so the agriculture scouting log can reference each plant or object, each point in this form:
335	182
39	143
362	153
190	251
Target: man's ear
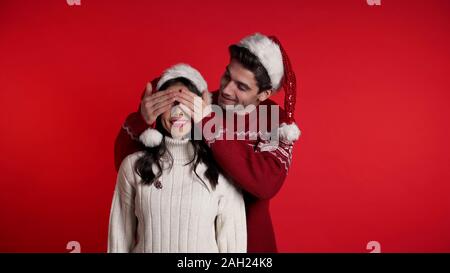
264	95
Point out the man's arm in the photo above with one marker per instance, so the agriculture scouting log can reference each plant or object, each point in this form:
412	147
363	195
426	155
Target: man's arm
260	173
259	170
127	140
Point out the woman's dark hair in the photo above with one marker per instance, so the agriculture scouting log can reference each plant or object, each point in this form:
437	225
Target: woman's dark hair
252	63
153	155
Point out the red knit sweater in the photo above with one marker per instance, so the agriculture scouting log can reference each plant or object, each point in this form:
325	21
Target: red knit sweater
259	171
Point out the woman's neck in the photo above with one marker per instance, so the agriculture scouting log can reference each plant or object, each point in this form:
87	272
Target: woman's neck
182	150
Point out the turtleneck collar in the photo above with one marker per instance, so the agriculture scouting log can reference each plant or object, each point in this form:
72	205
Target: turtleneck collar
182	150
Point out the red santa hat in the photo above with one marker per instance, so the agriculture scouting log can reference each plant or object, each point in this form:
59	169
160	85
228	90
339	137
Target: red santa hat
183	71
152	137
273	57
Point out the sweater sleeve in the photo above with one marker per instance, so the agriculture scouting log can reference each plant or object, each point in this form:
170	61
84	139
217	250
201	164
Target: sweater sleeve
231	228
127	140
260	169
122	223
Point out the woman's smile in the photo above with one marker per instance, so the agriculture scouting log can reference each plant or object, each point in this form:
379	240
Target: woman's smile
178	122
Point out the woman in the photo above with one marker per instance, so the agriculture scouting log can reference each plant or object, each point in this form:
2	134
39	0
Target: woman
171	197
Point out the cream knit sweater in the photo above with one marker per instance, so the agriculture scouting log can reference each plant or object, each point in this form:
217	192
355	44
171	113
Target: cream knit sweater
184	215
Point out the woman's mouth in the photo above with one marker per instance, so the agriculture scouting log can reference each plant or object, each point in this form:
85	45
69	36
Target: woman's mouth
178	122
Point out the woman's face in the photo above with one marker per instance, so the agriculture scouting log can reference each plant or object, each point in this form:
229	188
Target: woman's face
177	121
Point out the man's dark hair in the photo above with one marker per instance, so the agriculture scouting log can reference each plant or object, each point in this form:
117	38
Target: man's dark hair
252	63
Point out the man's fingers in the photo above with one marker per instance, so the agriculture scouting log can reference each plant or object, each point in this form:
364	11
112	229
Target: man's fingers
173	91
158	97
162	100
162	109
148	89
162	93
163	103
193	98
189	96
186	102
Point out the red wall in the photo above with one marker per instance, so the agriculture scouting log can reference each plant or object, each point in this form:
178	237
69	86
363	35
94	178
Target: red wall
373	160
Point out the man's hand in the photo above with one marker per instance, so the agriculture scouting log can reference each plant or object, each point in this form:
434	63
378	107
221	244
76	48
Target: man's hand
154	104
197	107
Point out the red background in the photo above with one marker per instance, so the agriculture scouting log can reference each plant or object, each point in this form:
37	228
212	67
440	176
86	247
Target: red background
373	106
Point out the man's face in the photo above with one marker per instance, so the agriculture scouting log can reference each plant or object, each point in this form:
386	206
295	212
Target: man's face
238	86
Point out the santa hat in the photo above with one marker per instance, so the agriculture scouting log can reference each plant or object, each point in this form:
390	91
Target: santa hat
183	71
273	57
152	137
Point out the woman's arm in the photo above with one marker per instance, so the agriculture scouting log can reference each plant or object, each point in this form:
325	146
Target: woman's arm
231	226
122	223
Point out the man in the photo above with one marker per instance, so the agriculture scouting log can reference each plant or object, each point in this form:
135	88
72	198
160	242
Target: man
258	67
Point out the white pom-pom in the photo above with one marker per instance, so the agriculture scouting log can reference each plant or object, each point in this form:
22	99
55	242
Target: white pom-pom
151	138
289	132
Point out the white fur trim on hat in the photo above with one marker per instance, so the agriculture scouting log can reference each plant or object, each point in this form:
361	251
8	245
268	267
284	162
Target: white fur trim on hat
289	132
185	71
151	138
268	53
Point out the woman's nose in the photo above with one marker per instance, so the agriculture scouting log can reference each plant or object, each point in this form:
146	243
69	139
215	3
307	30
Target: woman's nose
177	111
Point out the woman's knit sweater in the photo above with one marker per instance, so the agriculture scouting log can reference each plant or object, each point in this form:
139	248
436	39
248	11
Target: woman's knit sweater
179	213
